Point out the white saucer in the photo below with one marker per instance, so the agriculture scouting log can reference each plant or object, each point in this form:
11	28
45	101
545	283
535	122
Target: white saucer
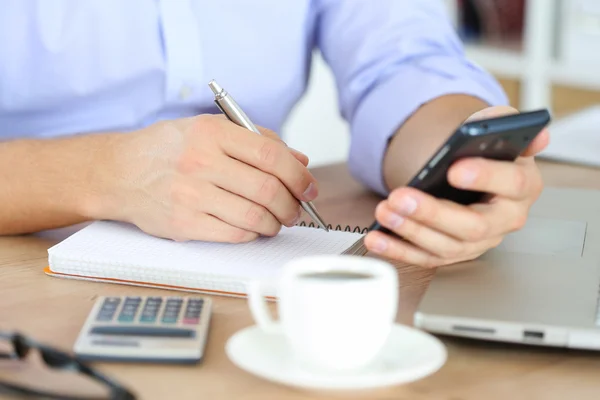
409	355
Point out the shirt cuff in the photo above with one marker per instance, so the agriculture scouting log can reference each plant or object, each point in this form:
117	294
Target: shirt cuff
390	103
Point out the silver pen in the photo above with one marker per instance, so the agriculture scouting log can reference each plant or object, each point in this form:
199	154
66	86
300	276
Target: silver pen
232	110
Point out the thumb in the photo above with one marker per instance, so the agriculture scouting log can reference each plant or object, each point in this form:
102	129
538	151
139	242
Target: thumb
303	158
492	112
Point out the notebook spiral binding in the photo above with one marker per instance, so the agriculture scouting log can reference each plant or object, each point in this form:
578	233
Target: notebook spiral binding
348	228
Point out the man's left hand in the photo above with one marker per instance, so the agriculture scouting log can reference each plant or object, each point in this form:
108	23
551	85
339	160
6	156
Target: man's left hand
439	232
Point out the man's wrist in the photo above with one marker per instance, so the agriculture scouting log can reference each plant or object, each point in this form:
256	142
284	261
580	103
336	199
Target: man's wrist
51	183
101	196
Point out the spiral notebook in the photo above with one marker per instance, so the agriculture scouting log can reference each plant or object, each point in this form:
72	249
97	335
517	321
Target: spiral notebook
116	252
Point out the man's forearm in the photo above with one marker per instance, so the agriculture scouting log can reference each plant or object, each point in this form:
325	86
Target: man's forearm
423	133
50	183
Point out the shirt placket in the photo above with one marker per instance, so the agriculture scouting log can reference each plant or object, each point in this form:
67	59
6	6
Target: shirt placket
181	38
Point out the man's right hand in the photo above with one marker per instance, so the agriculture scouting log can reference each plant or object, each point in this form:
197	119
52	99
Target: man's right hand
204	178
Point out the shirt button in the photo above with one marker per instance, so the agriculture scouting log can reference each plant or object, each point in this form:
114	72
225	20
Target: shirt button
185	92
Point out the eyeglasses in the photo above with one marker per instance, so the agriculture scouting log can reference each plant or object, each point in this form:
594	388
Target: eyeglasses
55	359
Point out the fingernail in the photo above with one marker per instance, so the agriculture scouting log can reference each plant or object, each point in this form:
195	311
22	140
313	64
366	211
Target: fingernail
310	193
394	220
468	177
407	206
481	114
380	245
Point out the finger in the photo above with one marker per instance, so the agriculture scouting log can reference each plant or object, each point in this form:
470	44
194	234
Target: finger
257	186
303	158
428	239
382	244
504	215
204	227
492	112
269	156
452	219
272	135
515	180
242	213
541	141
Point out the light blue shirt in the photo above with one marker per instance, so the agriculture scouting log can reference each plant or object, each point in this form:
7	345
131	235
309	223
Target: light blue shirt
79	66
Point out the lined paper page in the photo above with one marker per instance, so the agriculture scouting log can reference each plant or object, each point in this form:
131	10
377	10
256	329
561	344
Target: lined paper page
125	247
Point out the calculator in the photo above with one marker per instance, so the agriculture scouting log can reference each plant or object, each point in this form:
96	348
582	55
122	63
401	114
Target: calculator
161	329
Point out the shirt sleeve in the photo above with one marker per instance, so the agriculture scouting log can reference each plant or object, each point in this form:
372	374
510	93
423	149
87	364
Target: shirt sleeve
389	57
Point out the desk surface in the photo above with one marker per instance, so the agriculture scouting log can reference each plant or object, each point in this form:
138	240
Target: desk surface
53	310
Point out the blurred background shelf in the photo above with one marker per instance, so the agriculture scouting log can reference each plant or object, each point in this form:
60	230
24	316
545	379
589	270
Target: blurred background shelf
543	45
498	60
511	64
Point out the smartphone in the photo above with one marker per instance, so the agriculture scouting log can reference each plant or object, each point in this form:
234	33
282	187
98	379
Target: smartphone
502	138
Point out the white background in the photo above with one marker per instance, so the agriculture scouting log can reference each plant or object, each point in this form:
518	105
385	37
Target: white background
315	126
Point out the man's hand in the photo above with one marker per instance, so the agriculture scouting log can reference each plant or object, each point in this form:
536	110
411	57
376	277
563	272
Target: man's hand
204	178
440	232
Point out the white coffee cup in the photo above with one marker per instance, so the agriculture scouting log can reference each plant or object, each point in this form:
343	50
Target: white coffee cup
336	312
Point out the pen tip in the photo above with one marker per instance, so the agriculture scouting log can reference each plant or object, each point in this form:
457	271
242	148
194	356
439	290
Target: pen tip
215	87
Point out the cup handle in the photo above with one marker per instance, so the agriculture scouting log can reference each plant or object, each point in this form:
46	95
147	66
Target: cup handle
258	308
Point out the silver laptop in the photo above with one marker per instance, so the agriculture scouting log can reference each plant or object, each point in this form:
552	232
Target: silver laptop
540	286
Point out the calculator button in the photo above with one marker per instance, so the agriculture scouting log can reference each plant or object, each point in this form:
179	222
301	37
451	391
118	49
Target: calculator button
150	310
133	300
149	314
169	317
172	309
104	317
111	303
154	299
130	308
108	309
193	311
177	300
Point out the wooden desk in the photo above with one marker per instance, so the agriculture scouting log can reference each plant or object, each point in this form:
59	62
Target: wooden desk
53	310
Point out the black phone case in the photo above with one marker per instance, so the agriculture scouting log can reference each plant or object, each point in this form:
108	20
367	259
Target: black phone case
503	138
